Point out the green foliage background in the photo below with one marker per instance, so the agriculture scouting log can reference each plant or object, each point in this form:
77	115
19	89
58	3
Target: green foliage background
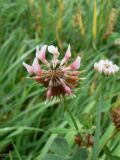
28	126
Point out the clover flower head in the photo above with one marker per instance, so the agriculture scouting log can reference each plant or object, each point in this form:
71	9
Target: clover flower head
106	67
58	77
115	115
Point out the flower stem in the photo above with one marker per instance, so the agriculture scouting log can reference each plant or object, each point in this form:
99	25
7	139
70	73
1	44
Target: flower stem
72	117
97	134
98	125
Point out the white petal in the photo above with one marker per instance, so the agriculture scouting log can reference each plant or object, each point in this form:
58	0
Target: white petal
101	62
52	49
100	68
116	68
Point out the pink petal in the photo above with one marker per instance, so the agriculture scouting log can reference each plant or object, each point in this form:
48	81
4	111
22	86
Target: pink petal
76	63
28	67
36	66
67	56
37	78
68	53
41	53
67	89
73	73
49	93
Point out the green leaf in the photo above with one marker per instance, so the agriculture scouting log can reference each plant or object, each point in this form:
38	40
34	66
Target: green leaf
59	130
80	154
89	107
107	107
52	157
60	146
107	152
70	137
115	158
113	37
106	136
68	119
98	130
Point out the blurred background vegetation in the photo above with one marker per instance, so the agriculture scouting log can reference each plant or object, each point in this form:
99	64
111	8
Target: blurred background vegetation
28	126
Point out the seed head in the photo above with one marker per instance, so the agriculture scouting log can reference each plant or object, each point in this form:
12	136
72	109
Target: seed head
86	140
58	77
79	141
116	118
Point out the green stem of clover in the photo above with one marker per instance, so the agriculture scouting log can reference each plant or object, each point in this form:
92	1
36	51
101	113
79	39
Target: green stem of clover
72	117
95	153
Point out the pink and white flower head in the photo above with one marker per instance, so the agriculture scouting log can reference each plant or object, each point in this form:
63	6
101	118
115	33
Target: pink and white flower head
58	77
106	67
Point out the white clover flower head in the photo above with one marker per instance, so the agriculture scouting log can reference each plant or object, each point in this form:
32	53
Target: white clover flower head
58	76
106	67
